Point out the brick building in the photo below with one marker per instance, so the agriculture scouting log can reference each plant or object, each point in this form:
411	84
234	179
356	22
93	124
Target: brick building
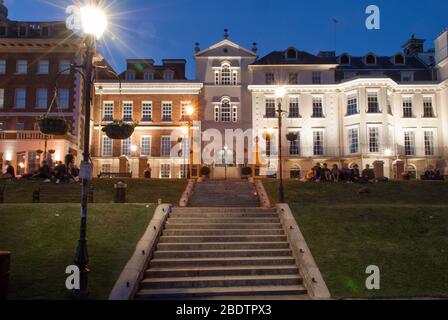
156	98
32	54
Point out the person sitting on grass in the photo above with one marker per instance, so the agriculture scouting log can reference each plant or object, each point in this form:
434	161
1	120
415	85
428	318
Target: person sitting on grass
10	172
356	174
346	174
309	177
368	175
317	172
44	172
147	172
326	173
335	173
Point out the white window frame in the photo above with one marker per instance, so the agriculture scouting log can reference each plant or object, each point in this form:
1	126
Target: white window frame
425	105
352	100
183	110
269	106
409	142
168	75
41	101
226	111
322	142
316	77
373	97
294	146
432	145
374	146
21	67
145	146
167	111
110	145
318	99
353	140
164	142
108	111
129	75
22	99
146	111
126	147
43	67
294	102
164	168
128	111
148	76
234	113
407	102
64	98
217	113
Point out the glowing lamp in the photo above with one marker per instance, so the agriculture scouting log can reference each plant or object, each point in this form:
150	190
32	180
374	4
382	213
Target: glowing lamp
93	21
189	110
280	92
134	148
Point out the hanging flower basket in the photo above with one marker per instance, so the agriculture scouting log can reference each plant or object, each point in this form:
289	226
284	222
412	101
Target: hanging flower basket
119	130
52	125
292	136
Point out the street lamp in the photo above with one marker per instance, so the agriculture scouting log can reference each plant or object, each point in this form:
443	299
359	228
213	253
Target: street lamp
280	93
224	160
189	110
94	24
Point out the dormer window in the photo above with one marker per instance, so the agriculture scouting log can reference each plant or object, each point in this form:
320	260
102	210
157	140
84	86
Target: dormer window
399	59
130	75
23	30
45	31
370	59
344	59
148	76
291	54
168	75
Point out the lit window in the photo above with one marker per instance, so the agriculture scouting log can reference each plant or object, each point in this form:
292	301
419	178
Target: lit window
353	140
147	111
409	143
63	98
165	171
127	111
294	111
225	75
22	67
64	67
43	67
270	108
372	103
374	140
126	146
42	98
20	98
166	147
167	110
429	143
145	146
352	104
318	142
183	110
428	109
108	111
225	111
407	107
318	111
107	146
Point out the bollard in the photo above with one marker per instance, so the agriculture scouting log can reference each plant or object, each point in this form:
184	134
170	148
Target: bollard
5	265
36	196
120	192
2	194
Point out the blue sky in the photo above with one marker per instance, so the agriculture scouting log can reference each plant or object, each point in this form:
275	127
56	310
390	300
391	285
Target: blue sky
161	29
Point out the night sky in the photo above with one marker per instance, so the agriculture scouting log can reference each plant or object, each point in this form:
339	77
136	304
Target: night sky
161	29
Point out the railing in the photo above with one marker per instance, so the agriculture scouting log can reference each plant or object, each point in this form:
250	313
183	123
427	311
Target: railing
31	135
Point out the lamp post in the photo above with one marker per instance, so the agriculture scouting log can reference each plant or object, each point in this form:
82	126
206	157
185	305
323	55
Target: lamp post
189	112
224	160
94	23
280	92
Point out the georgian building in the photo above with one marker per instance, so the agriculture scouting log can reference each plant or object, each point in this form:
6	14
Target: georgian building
223	68
32	55
351	110
156	98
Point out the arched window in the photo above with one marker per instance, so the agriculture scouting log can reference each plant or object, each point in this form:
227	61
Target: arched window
226	111
370	59
399	59
344	59
226	75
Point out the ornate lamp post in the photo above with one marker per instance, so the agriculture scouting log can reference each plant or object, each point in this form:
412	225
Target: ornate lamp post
280	92
189	112
94	24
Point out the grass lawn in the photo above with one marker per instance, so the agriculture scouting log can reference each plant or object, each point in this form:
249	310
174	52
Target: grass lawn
43	239
138	191
402	227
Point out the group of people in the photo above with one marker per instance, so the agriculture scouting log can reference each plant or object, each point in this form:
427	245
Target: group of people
320	173
432	175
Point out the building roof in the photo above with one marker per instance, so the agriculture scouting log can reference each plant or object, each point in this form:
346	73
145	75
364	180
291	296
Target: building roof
279	58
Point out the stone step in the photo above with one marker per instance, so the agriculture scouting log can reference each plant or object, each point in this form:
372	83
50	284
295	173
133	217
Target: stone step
222	246
221	281
177	220
222	210
221	215
222	239
159	254
222	232
221	262
174	294
199	226
221	271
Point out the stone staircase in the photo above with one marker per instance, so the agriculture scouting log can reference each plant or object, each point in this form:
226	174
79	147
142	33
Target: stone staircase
222	253
224	193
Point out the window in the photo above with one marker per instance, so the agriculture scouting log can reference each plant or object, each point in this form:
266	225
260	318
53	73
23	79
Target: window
165	171
20	163
407	107
318	111
145	146
106	168
399	59
167	111
291	54
352	104
33	162
2	66
372	102
429	143
216	77
183	110
428	109
147	111
216	113
225	111
318	142
225	75
294	146
344	59
374	140
407	76
148	76
130	75
126	146
294	111
107	146
168	75
43	67
108	111
234	78
293	78
353	140
234	114
64	67
2	98
409	143
23	30
370	59
270	79
22	67
63	98
127	111
270	108
166	147
45	31
317	77
20	98
41	98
